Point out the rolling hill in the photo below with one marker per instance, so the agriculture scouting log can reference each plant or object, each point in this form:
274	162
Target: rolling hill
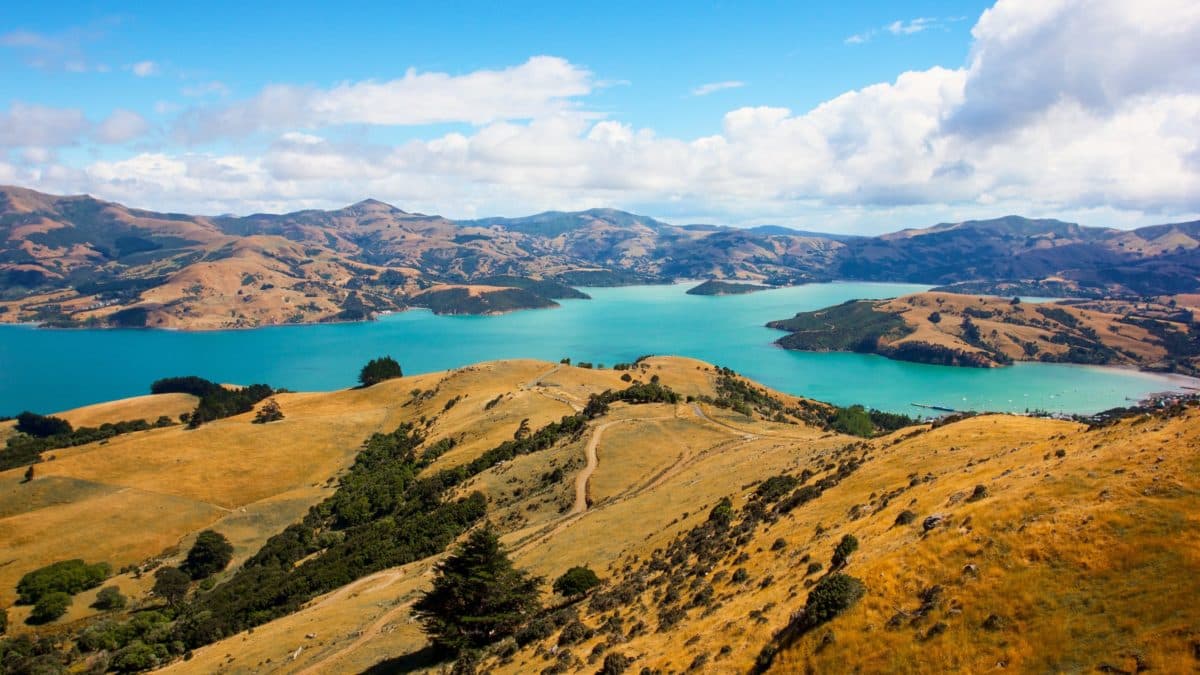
712	521
963	330
80	261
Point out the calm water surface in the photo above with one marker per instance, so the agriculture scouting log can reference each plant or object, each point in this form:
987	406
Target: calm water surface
48	370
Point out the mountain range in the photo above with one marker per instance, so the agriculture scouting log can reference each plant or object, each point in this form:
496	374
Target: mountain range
78	260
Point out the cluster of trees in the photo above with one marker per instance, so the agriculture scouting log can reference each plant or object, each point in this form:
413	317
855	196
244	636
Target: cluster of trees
39	433
378	370
649	392
216	401
49	589
859	421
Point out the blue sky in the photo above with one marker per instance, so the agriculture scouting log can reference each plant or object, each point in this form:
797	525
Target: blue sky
743	113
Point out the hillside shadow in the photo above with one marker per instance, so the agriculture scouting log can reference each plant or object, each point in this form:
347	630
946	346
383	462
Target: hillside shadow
426	657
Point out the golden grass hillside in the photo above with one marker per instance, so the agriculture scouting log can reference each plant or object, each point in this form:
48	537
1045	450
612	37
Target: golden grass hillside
986	331
1055	549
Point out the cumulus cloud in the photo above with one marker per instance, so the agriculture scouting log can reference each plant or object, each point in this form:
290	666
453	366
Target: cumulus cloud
540	86
711	87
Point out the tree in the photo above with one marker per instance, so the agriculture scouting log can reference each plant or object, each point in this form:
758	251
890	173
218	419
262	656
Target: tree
935	317
171	584
3	621
270	412
109	597
210	554
478	597
378	370
42	426
50	607
29	474
841	554
575	582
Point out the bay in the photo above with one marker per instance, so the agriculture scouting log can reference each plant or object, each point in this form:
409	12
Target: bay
51	370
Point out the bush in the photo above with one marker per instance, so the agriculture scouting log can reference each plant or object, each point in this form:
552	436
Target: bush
841	554
136	657
42	426
574	633
576	582
3	621
210	554
50	607
378	370
615	664
67	576
109	598
905	517
831	596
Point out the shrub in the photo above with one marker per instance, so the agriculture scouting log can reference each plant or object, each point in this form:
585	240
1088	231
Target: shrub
614	664
210	554
109	598
905	517
722	513
378	370
576	582
50	607
830	597
935	317
813	568
980	492
841	554
135	657
3	621
67	576
42	426
574	633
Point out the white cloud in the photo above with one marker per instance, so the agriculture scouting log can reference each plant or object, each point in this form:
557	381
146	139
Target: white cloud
706	89
120	127
1089	110
902	27
145	68
911	26
540	86
35	125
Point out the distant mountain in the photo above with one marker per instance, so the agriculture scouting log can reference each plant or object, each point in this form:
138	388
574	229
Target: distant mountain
108	264
791	231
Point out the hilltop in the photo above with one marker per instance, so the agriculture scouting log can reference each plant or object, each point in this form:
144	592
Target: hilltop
981	540
963	330
80	261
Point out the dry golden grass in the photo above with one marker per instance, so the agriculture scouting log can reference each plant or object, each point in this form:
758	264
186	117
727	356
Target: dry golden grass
1012	326
1090	558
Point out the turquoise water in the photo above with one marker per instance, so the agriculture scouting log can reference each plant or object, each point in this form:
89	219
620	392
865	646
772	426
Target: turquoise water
48	370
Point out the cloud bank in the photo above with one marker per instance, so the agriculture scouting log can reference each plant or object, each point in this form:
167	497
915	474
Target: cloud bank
1062	108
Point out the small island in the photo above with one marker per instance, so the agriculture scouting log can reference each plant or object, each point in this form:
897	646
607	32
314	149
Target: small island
987	332
715	287
478	299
